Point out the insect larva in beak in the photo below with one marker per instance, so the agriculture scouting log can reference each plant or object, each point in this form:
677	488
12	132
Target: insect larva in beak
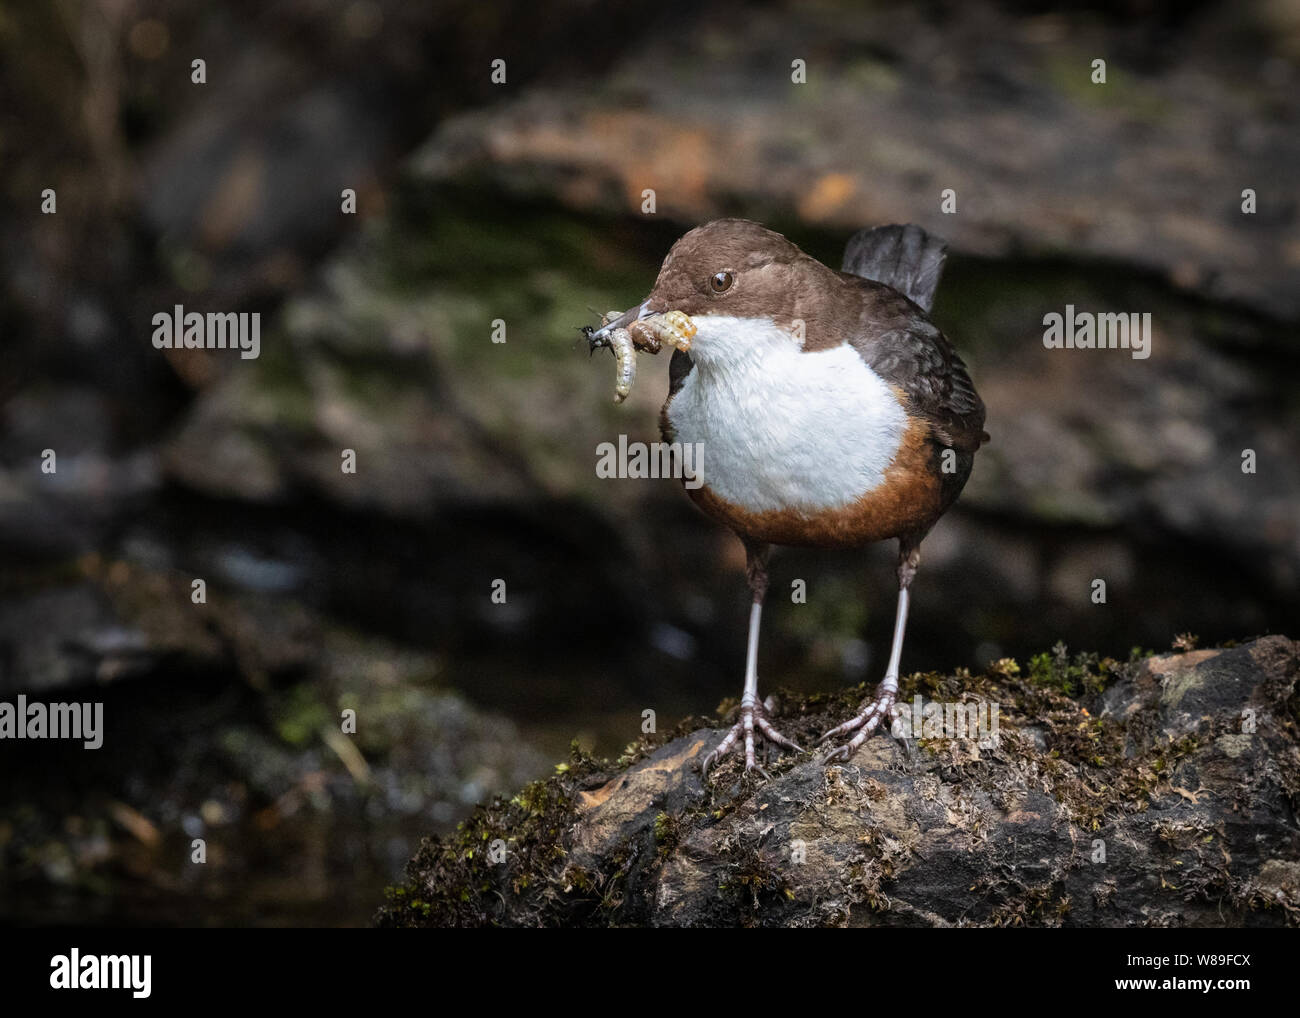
677	330
672	329
620	341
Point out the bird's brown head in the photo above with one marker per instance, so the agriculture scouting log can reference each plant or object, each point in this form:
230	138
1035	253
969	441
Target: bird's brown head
733	268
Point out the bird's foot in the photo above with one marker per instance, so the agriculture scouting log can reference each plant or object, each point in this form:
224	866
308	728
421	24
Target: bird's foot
754	724
864	722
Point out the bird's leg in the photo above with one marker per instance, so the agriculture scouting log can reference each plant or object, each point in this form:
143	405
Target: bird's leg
878	707
754	721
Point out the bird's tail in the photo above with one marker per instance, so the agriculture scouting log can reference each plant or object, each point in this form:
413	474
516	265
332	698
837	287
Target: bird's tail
904	257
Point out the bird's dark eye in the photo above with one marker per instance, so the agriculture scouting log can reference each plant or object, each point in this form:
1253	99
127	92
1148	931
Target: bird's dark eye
721	282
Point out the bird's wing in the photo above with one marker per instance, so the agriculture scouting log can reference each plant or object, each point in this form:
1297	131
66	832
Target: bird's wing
903	257
907	350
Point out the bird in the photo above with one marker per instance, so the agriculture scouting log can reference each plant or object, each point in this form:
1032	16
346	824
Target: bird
831	412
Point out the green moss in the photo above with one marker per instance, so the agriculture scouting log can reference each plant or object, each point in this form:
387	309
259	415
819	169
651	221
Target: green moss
668	833
758	886
1084	673
462	882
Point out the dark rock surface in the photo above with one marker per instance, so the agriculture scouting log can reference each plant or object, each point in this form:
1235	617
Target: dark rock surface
1164	794
902	101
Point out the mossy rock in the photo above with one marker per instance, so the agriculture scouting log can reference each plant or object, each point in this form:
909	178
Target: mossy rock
1165	796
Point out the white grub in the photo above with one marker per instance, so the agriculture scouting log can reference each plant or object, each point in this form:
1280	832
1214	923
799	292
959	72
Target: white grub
620	341
673	329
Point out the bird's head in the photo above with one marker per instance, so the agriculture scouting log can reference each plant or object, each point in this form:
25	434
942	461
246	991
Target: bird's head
734	278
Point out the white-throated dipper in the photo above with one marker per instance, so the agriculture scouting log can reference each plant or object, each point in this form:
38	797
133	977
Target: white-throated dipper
832	413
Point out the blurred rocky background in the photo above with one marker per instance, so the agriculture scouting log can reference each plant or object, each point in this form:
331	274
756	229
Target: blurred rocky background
475	460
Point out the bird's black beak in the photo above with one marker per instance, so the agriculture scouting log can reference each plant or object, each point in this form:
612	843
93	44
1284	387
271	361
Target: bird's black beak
600	337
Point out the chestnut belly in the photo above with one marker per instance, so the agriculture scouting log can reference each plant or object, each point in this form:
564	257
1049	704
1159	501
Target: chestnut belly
908	502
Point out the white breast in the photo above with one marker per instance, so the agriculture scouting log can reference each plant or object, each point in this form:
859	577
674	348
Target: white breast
780	428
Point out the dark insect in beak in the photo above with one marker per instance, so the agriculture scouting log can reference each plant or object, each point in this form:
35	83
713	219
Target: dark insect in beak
594	344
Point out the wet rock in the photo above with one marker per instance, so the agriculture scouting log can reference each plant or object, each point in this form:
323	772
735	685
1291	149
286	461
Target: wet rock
1169	800
1148	168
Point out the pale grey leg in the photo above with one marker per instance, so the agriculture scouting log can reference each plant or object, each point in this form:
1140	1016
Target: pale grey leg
877	709
753	715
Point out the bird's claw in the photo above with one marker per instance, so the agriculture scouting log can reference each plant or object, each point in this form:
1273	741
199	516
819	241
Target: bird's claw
865	722
753	724
839	753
